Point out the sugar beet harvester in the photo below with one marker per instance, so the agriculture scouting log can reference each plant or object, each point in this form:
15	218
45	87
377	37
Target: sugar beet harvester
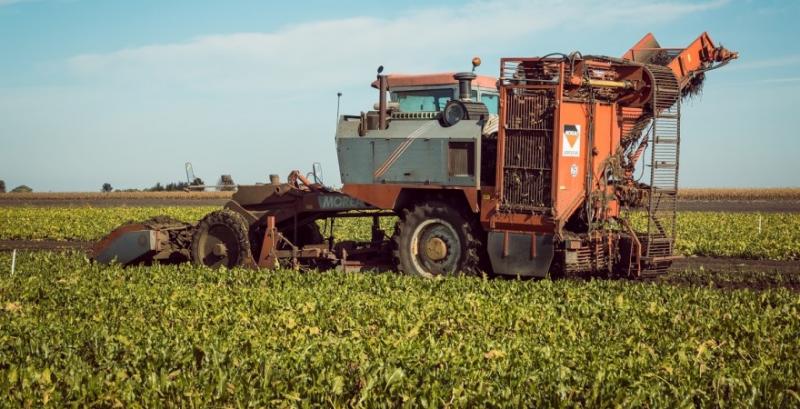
544	186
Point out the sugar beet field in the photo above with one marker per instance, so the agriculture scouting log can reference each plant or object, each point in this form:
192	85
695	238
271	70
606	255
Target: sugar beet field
73	333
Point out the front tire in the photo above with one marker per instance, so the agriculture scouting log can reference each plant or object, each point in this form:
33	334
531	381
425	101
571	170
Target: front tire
434	239
221	240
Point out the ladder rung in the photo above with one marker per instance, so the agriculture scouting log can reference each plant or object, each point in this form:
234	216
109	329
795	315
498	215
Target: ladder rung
665	165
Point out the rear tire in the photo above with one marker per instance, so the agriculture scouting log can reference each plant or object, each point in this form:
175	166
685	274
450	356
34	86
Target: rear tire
221	240
434	239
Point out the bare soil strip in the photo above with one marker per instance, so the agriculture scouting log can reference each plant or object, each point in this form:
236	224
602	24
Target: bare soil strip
112	202
731	274
767	206
735	194
9	245
736	264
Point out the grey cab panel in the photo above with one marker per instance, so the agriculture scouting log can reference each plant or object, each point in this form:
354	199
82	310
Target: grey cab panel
410	151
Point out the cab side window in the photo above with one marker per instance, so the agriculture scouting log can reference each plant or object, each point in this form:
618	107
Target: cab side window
491	101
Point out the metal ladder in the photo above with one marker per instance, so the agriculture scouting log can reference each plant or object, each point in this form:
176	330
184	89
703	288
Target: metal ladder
665	149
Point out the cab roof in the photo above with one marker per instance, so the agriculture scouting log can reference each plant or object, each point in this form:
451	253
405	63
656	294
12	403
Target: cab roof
442	78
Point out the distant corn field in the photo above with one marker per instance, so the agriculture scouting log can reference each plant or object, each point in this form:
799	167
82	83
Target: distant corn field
783	193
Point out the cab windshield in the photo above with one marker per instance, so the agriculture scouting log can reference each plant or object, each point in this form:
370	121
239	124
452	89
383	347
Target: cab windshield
428	100
434	100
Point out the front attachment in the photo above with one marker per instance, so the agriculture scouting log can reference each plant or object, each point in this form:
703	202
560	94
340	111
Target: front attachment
159	239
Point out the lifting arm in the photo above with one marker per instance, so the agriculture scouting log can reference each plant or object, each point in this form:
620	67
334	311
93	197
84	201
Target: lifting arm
700	56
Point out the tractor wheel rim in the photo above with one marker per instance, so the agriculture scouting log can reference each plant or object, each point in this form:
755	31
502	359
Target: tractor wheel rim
219	236
435	248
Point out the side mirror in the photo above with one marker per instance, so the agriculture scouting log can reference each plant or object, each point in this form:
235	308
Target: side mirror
316	173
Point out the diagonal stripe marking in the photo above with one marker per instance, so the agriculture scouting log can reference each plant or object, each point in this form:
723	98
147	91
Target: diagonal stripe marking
401	149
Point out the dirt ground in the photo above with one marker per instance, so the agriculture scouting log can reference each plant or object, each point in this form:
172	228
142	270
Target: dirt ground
767	206
733	273
146	202
9	245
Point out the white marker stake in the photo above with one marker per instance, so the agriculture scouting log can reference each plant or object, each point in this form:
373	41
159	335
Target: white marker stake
13	260
759	224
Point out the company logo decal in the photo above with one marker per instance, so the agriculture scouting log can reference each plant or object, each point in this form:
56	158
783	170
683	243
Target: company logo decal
571	141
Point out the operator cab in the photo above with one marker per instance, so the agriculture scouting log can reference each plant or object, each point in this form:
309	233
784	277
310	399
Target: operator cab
431	92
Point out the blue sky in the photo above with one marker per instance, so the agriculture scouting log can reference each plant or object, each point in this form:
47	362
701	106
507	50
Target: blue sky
95	91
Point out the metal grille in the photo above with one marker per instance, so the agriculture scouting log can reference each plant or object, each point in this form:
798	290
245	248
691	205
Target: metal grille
591	256
634	124
530	71
461	160
527	165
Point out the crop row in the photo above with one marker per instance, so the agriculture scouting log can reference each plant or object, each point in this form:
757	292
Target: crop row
82	223
773	236
73	333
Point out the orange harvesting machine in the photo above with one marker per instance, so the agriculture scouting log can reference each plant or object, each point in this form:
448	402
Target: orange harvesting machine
532	173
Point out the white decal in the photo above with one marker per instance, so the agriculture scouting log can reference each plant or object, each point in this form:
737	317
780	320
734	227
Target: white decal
573	170
571	141
340	202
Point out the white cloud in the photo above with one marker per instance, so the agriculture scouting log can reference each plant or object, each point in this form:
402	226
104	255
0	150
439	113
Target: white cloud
312	54
247	104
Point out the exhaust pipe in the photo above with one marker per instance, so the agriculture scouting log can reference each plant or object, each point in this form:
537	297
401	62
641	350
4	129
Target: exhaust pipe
383	88
465	81
465	85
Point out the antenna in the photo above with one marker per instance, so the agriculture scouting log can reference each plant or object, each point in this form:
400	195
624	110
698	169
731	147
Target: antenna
338	101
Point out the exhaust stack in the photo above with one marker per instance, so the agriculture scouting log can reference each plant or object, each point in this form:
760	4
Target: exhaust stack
383	88
465	85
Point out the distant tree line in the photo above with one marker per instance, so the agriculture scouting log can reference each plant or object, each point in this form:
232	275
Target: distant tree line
106	187
158	187
169	187
18	189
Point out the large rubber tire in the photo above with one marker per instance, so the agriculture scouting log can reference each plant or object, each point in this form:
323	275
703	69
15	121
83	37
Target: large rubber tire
222	229
433	239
